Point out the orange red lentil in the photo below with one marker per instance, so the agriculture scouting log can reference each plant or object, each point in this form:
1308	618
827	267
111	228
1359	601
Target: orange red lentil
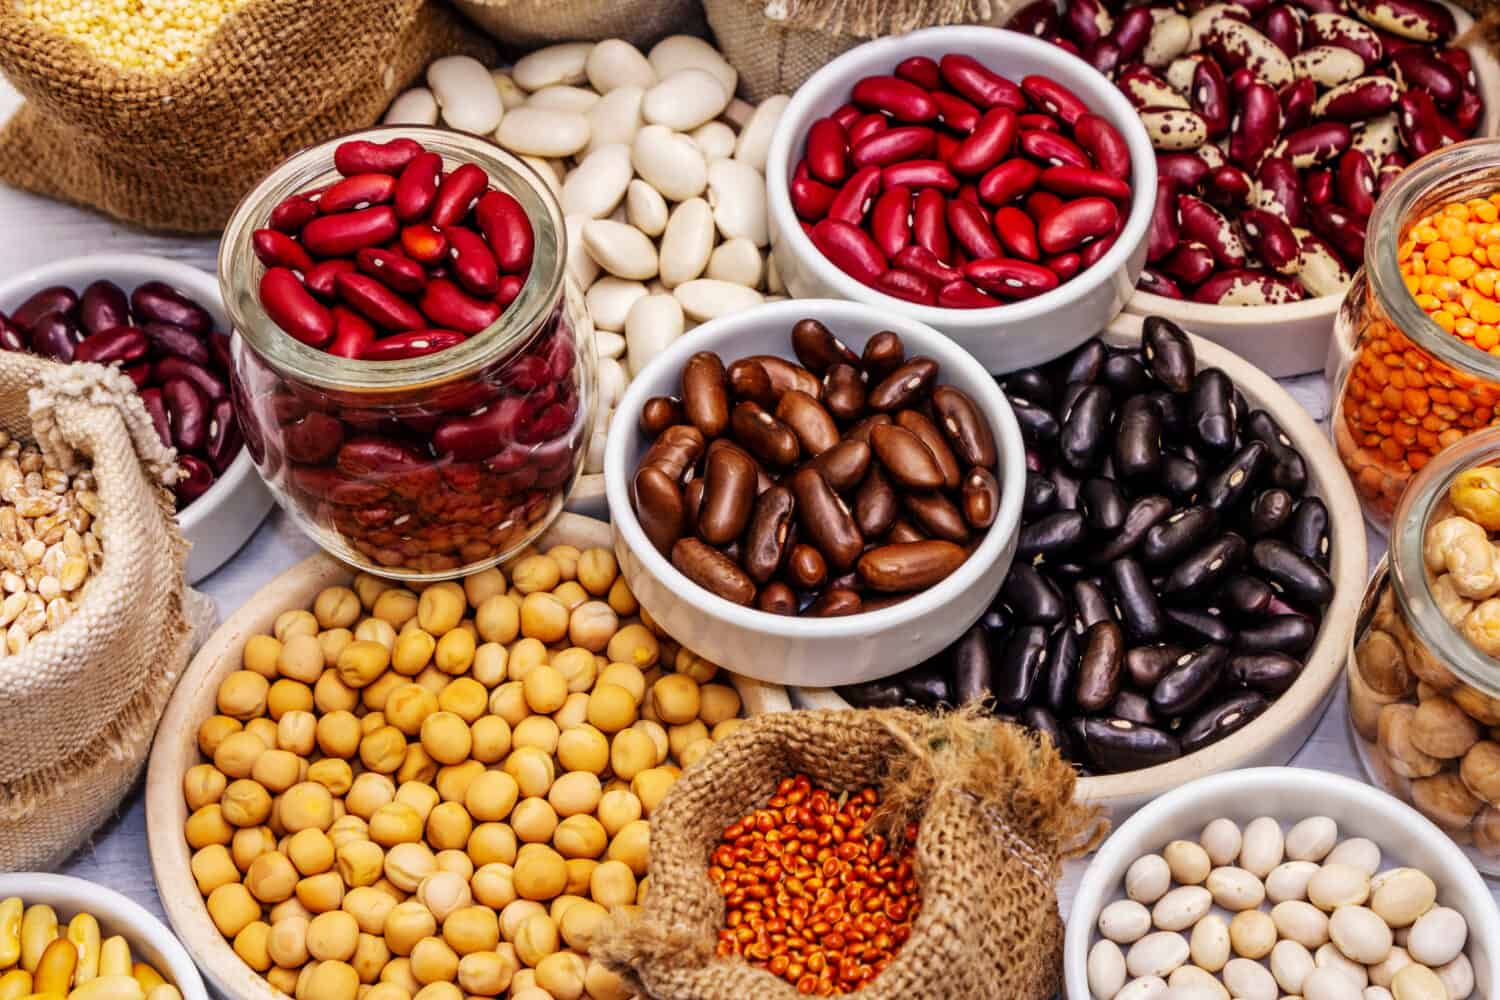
1450	262
809	895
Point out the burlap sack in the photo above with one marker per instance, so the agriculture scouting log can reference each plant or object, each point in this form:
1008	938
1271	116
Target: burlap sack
997	817
177	151
80	704
528	24
777	44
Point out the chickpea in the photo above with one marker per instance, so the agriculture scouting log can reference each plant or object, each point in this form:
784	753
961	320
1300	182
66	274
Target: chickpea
232	908
242	695
1394	740
539	874
452	782
439	991
370	956
492	842
494	885
485	973
369	907
538	732
212	867
361	662
626	676
261	655
578	668
406	924
288	696
214	731
717	703
321	893
533	770
597	570
285	910
412	652
264	730
659	737
208	826
332	643
271	878
694	752
679	738
294	622
509	702
533	820
441	607
611	708
481	586
694	667
370	587
580	836
332	981
360	863
446	738
449	826
630	753
336	607
383	750
339	734
574	793
583	748
489	666
632	846
398	973
471	929
634	644
287	943
454	860
443	892
395	823
621	599
408	706
306	805
202	784
465	698
332	773
498	619
602	984
545	689
367	793
395	606
561	974
617	808
677	699
433	961
612	884
491	739
332	936
651	786
331	694
249	844
536	573
376	630
491	796
455	651
580	871
536	938
574	711
348	829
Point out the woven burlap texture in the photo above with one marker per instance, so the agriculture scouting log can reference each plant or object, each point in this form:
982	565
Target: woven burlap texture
527	24
997	818
777	44
177	151
80	704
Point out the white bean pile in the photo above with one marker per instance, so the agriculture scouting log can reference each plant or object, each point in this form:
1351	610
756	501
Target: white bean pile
1262	914
660	172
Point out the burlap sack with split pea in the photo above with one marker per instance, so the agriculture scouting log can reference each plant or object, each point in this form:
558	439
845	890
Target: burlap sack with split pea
996	815
80	704
177	151
529	24
778	44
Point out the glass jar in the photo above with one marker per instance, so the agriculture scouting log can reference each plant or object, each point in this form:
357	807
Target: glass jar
1408	388
348	446
1424	701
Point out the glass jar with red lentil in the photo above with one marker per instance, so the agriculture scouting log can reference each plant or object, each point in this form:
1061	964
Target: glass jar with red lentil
1420	326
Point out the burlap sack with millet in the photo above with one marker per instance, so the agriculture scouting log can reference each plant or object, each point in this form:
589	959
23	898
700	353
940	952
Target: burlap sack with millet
997	818
80	704
177	151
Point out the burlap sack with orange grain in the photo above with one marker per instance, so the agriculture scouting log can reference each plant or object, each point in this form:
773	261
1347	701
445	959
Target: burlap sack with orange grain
81	703
996	815
177	151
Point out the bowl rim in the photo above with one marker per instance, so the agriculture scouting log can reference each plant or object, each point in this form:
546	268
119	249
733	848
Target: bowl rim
920	339
1108	865
982	41
118	912
204	288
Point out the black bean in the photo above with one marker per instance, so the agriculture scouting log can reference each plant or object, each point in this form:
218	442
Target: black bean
1189	681
887	692
1246	596
1124	374
1223	719
1070	393
1278	634
1308	532
1136	598
1059	669
1200	626
1085	430
927	686
1116	745
1133	707
1031	385
1297	578
1268	673
1213	409
1204	568
1138	439
1019	666
1051	535
1099	667
1288	469
1103	505
1067	488
1169	353
971	665
1269	512
1182	532
1174	413
1040	496
1085	364
1044	723
1033	597
996	619
1038	426
1181	477
1144	514
1145	665
1091	604
1232	483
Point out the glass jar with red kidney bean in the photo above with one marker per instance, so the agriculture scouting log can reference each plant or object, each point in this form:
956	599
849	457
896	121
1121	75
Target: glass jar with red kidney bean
413	373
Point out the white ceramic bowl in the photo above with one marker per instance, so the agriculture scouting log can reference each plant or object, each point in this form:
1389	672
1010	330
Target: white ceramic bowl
822	651
1277	735
1289	794
219	521
1006	337
149	939
1293	338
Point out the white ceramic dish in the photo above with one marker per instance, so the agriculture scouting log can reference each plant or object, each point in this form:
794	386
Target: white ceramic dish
783	649
149	939
1294	338
1006	337
1279	733
1289	794
222	519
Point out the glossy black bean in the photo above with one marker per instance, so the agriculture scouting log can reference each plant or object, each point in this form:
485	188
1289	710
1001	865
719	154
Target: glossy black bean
1213	409
1091	604
1176	423
1067	488
1124	374
1060	669
1278	634
1063	573
1140	612
1181	477
1222	719
1197	625
1138	439
1039	427
1085	430
1168	353
971	665
1298	579
1051	535
1229	486
1033	597
1019	666
1070	394
927	686
1117	745
1202	570
887	692
1246	596
1145	665
1044	723
1085	364
1103	505
1099	667
1181	533
1040	496
1308	531
1030	384
1268	673
1144	514
1269	512
1288	469
1189	681
996	619
1133	707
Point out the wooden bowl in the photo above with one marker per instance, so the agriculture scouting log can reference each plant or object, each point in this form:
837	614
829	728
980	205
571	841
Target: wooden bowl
1292	339
1279	733
176	748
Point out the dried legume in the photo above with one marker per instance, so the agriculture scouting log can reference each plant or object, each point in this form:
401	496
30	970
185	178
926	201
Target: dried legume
43	957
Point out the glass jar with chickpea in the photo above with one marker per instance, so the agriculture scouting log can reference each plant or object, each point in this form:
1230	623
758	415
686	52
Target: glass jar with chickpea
439	792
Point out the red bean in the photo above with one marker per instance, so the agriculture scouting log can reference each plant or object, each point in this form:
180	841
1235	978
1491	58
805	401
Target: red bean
853	200
1417	120
1274	242
1247	286
1360	99
1092	252
291	307
361	156
1053	149
353	334
472	262
929	223
1064	265
1355	181
810	199
921	71
976	83
456	194
1257	125
1017	232
1131	32
1075	222
1315	144
1190	263
1039	204
342	235
909	286
165	338
207	382
397	272
276	249
417	186
193	480
320	280
1297	100
963	295
1008	181
291	214
156	409
850	249
1035	120
1058	100
1104	144
901	99
846	115
123	344
1202	222
889	221
987	145
920	174
1342	229
1209	95
504	224
1282	25
448	307
1103	55
359	191
160	302
1278	179
413	344
1038	19
870	125
1187	169
895	145
1342	31
920	260
378	303
1077	181
187	413
1158	284
1010	279
1228	187
969	226
827	154
1088	20
955	112
1162	238
1317	187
